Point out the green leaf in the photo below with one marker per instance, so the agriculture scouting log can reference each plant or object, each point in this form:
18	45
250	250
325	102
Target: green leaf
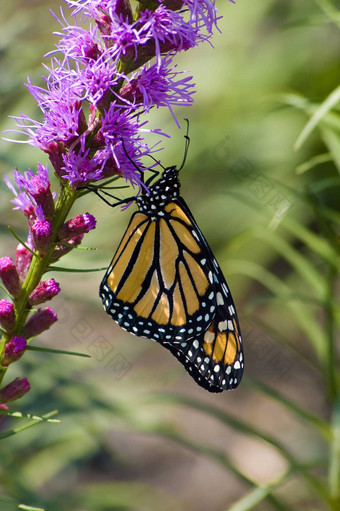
20	415
75	270
22	242
332	141
30	508
36	420
330	10
324	108
313	162
59	352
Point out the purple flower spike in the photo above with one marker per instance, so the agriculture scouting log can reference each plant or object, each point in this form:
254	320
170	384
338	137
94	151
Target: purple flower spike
14	390
9	276
41	232
44	291
77	225
39	322
7	315
14	349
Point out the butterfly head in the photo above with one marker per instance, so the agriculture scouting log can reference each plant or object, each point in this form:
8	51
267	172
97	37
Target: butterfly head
164	190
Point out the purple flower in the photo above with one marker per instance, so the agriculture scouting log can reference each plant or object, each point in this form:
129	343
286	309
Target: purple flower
14	390
79	168
77	225
39	322
202	13
61	107
9	276
14	349
125	39
22	200
157	85
7	315
38	186
45	290
118	128
41	231
167	31
78	43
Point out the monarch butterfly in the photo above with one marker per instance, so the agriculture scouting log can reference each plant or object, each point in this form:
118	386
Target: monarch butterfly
164	283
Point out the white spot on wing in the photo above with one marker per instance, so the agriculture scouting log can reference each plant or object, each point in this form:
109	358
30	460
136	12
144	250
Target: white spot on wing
209	336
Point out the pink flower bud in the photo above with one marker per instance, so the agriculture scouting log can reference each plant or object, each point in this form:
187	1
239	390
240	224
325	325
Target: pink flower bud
9	276
7	315
44	291
39	322
77	225
23	258
61	249
41	232
14	390
14	349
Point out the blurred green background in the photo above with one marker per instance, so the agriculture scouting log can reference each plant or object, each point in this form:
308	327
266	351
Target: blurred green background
136	432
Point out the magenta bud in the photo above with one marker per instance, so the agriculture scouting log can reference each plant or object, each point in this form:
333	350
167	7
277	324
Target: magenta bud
123	9
77	225
7	315
14	349
9	276
39	322
41	232
44	291
23	258
14	390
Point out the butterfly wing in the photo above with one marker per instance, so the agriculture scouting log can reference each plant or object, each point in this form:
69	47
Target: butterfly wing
159	283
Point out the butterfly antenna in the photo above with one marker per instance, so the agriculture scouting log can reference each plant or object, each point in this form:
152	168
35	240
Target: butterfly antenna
187	143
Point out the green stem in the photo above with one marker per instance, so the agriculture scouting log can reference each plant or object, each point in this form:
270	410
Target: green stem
40	265
331	360
334	463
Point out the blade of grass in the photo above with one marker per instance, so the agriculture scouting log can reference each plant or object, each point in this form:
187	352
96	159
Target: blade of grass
334	462
313	162
332	141
321	111
258	494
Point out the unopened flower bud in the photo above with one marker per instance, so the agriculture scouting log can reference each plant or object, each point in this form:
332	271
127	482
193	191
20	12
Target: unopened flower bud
9	276
14	390
77	225
14	349
39	322
64	248
7	315
44	291
41	232
23	258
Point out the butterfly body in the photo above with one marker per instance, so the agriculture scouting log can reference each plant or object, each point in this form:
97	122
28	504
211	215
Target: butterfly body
164	283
